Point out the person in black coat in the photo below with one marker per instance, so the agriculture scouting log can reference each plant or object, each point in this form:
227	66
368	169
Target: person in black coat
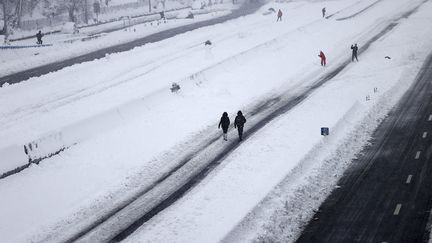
239	122
354	49
39	37
224	123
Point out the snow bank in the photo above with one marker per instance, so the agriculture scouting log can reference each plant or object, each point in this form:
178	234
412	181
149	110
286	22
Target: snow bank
68	28
282	214
12	158
52	143
14	61
46	146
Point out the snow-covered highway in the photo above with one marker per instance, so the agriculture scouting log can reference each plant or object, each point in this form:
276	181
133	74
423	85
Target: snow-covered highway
126	131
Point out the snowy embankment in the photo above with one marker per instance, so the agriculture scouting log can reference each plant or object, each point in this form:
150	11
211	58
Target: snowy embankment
112	16
67	45
151	63
155	19
214	207
97	173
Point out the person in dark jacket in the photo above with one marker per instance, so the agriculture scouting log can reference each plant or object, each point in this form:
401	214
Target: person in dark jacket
239	122
323	58
39	37
279	15
354	49
224	123
323	12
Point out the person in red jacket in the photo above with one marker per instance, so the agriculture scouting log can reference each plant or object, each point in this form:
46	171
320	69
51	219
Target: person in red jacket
323	58
279	15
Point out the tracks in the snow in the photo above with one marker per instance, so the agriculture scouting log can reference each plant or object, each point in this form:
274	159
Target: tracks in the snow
359	12
51	67
123	221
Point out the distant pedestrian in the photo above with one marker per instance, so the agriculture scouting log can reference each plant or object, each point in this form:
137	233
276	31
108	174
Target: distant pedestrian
279	15
224	123
39	37
162	15
323	12
354	49
323	58
239	122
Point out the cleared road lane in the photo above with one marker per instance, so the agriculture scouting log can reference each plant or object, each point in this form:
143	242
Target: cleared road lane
385	196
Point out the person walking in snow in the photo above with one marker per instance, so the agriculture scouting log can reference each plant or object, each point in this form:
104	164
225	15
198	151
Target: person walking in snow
354	49
224	123
39	37
323	58
239	122
323	12
279	15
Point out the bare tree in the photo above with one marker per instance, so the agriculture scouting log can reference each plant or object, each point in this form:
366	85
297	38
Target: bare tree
19	12
71	6
30	5
8	8
51	8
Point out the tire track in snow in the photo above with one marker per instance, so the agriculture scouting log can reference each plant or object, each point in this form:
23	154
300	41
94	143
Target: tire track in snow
42	70
359	12
83	93
151	65
339	11
155	199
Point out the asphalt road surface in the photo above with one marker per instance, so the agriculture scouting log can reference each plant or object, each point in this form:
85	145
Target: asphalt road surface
386	195
246	9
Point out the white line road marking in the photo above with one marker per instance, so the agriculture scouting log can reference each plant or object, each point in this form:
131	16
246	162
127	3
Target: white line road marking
408	181
417	155
430	118
424	134
397	209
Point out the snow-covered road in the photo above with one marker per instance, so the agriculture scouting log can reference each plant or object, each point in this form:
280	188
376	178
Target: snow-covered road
145	128
63	46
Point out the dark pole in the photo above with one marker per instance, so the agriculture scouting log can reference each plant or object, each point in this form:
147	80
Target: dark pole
19	13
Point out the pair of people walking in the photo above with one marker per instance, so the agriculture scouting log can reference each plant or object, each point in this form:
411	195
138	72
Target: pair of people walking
354	49
239	122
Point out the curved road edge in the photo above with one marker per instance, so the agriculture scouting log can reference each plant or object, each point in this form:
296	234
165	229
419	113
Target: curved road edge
246	9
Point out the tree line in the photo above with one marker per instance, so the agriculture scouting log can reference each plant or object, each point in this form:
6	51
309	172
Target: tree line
12	11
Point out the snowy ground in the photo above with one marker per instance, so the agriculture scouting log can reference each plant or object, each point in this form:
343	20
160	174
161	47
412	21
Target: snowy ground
69	45
107	15
214	208
124	126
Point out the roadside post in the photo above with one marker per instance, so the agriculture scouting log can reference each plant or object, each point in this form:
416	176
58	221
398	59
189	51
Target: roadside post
325	131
